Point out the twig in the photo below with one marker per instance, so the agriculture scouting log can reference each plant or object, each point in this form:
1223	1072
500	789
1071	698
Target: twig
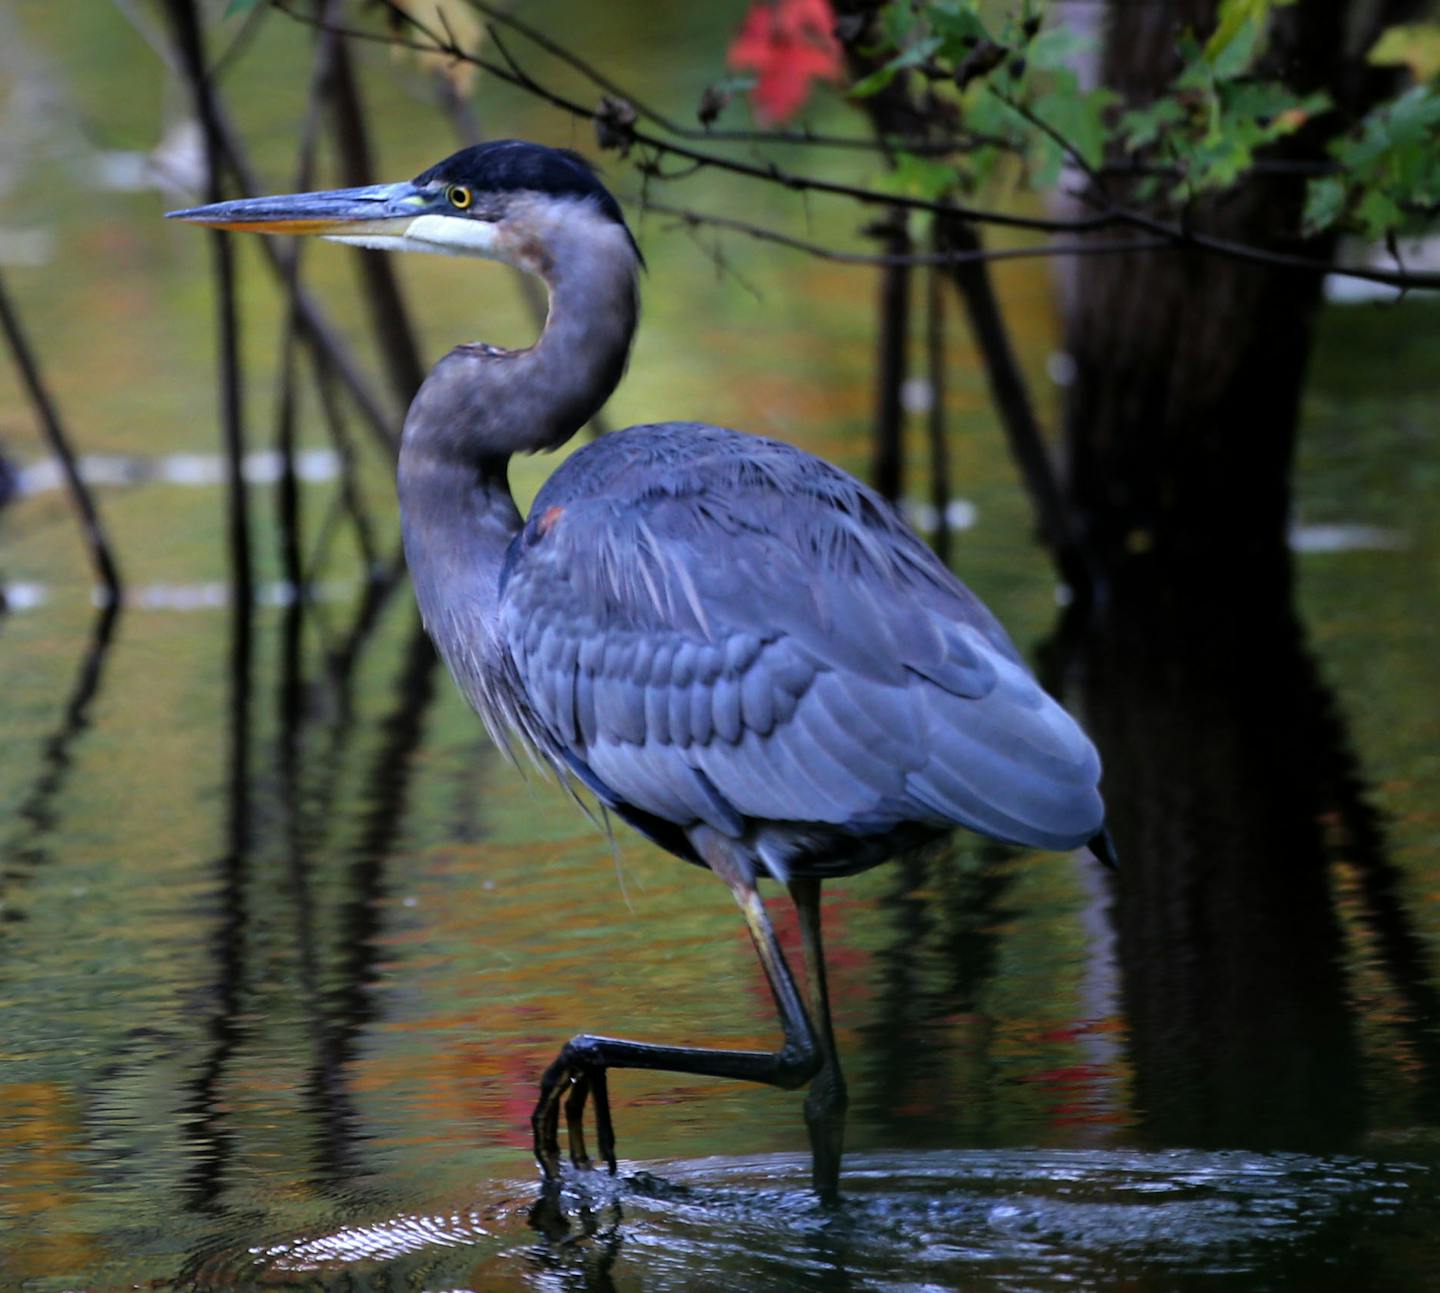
715	254
317	330
350	498
1008	388
887	466
769	172
1111	217
189	45
935	423
206	1128
1045	128
1268	167
1017	412
91	527
1182	237
921	145
230	55
761	233
388	314
288	487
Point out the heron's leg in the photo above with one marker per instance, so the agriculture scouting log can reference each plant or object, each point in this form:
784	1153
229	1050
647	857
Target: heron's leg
826	1102
580	1068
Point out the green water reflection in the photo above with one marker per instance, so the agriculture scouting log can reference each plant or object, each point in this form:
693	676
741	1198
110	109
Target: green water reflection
284	949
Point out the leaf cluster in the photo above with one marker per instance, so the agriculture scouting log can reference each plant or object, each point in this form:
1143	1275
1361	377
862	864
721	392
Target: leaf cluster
1388	182
1015	79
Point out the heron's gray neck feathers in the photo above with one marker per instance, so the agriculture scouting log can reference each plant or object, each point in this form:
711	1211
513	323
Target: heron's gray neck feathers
481	402
479	405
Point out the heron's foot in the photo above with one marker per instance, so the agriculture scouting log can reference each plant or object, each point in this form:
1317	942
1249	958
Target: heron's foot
575	1077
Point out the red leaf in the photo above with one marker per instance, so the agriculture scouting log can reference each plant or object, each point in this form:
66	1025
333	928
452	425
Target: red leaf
788	44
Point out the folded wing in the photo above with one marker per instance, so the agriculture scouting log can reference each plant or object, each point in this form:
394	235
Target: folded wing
746	635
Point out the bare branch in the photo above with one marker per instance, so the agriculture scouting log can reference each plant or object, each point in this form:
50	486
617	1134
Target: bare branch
91	527
935	422
389	316
1112	247
1109	216
769	172
1180	236
189	46
887	463
316	328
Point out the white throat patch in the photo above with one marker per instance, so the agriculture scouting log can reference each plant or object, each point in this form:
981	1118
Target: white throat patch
447	235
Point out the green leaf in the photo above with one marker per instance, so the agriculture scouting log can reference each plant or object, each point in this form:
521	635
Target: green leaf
1391	167
1415	114
1056	47
921	177
1236	38
1236	55
980	167
241	6
959	27
897	22
1416	46
1378	214
882	76
1141	127
1324	204
1077	116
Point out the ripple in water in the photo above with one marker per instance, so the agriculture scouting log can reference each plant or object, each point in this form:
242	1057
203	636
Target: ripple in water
1010	1220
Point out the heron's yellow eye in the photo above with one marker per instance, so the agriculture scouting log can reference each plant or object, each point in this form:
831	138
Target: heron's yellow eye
460	197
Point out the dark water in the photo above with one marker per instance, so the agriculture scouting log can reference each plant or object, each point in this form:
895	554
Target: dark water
285	946
1023	1219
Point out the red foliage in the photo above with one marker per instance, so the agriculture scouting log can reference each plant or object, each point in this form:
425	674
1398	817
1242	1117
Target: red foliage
788	43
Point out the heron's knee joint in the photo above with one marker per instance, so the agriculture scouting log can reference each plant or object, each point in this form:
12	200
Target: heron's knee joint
798	1064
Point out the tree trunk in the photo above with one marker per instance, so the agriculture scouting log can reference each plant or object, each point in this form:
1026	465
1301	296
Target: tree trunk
1229	777
1180	420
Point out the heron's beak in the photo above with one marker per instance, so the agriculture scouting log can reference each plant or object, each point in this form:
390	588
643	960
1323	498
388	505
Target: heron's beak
371	216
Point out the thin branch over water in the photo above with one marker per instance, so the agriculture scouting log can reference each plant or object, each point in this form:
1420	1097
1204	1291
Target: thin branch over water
92	529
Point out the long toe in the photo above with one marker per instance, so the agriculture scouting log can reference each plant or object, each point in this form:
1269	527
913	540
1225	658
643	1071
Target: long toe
545	1120
575	1119
604	1128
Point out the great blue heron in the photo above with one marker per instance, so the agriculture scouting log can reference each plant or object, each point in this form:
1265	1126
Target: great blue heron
738	648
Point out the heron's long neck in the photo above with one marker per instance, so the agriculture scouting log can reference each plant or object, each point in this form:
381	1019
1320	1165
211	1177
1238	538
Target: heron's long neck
480	405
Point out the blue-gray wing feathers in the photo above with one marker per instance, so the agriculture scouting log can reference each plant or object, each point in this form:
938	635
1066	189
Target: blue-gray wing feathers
721	629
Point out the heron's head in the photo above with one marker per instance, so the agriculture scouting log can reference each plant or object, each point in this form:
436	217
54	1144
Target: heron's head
512	201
